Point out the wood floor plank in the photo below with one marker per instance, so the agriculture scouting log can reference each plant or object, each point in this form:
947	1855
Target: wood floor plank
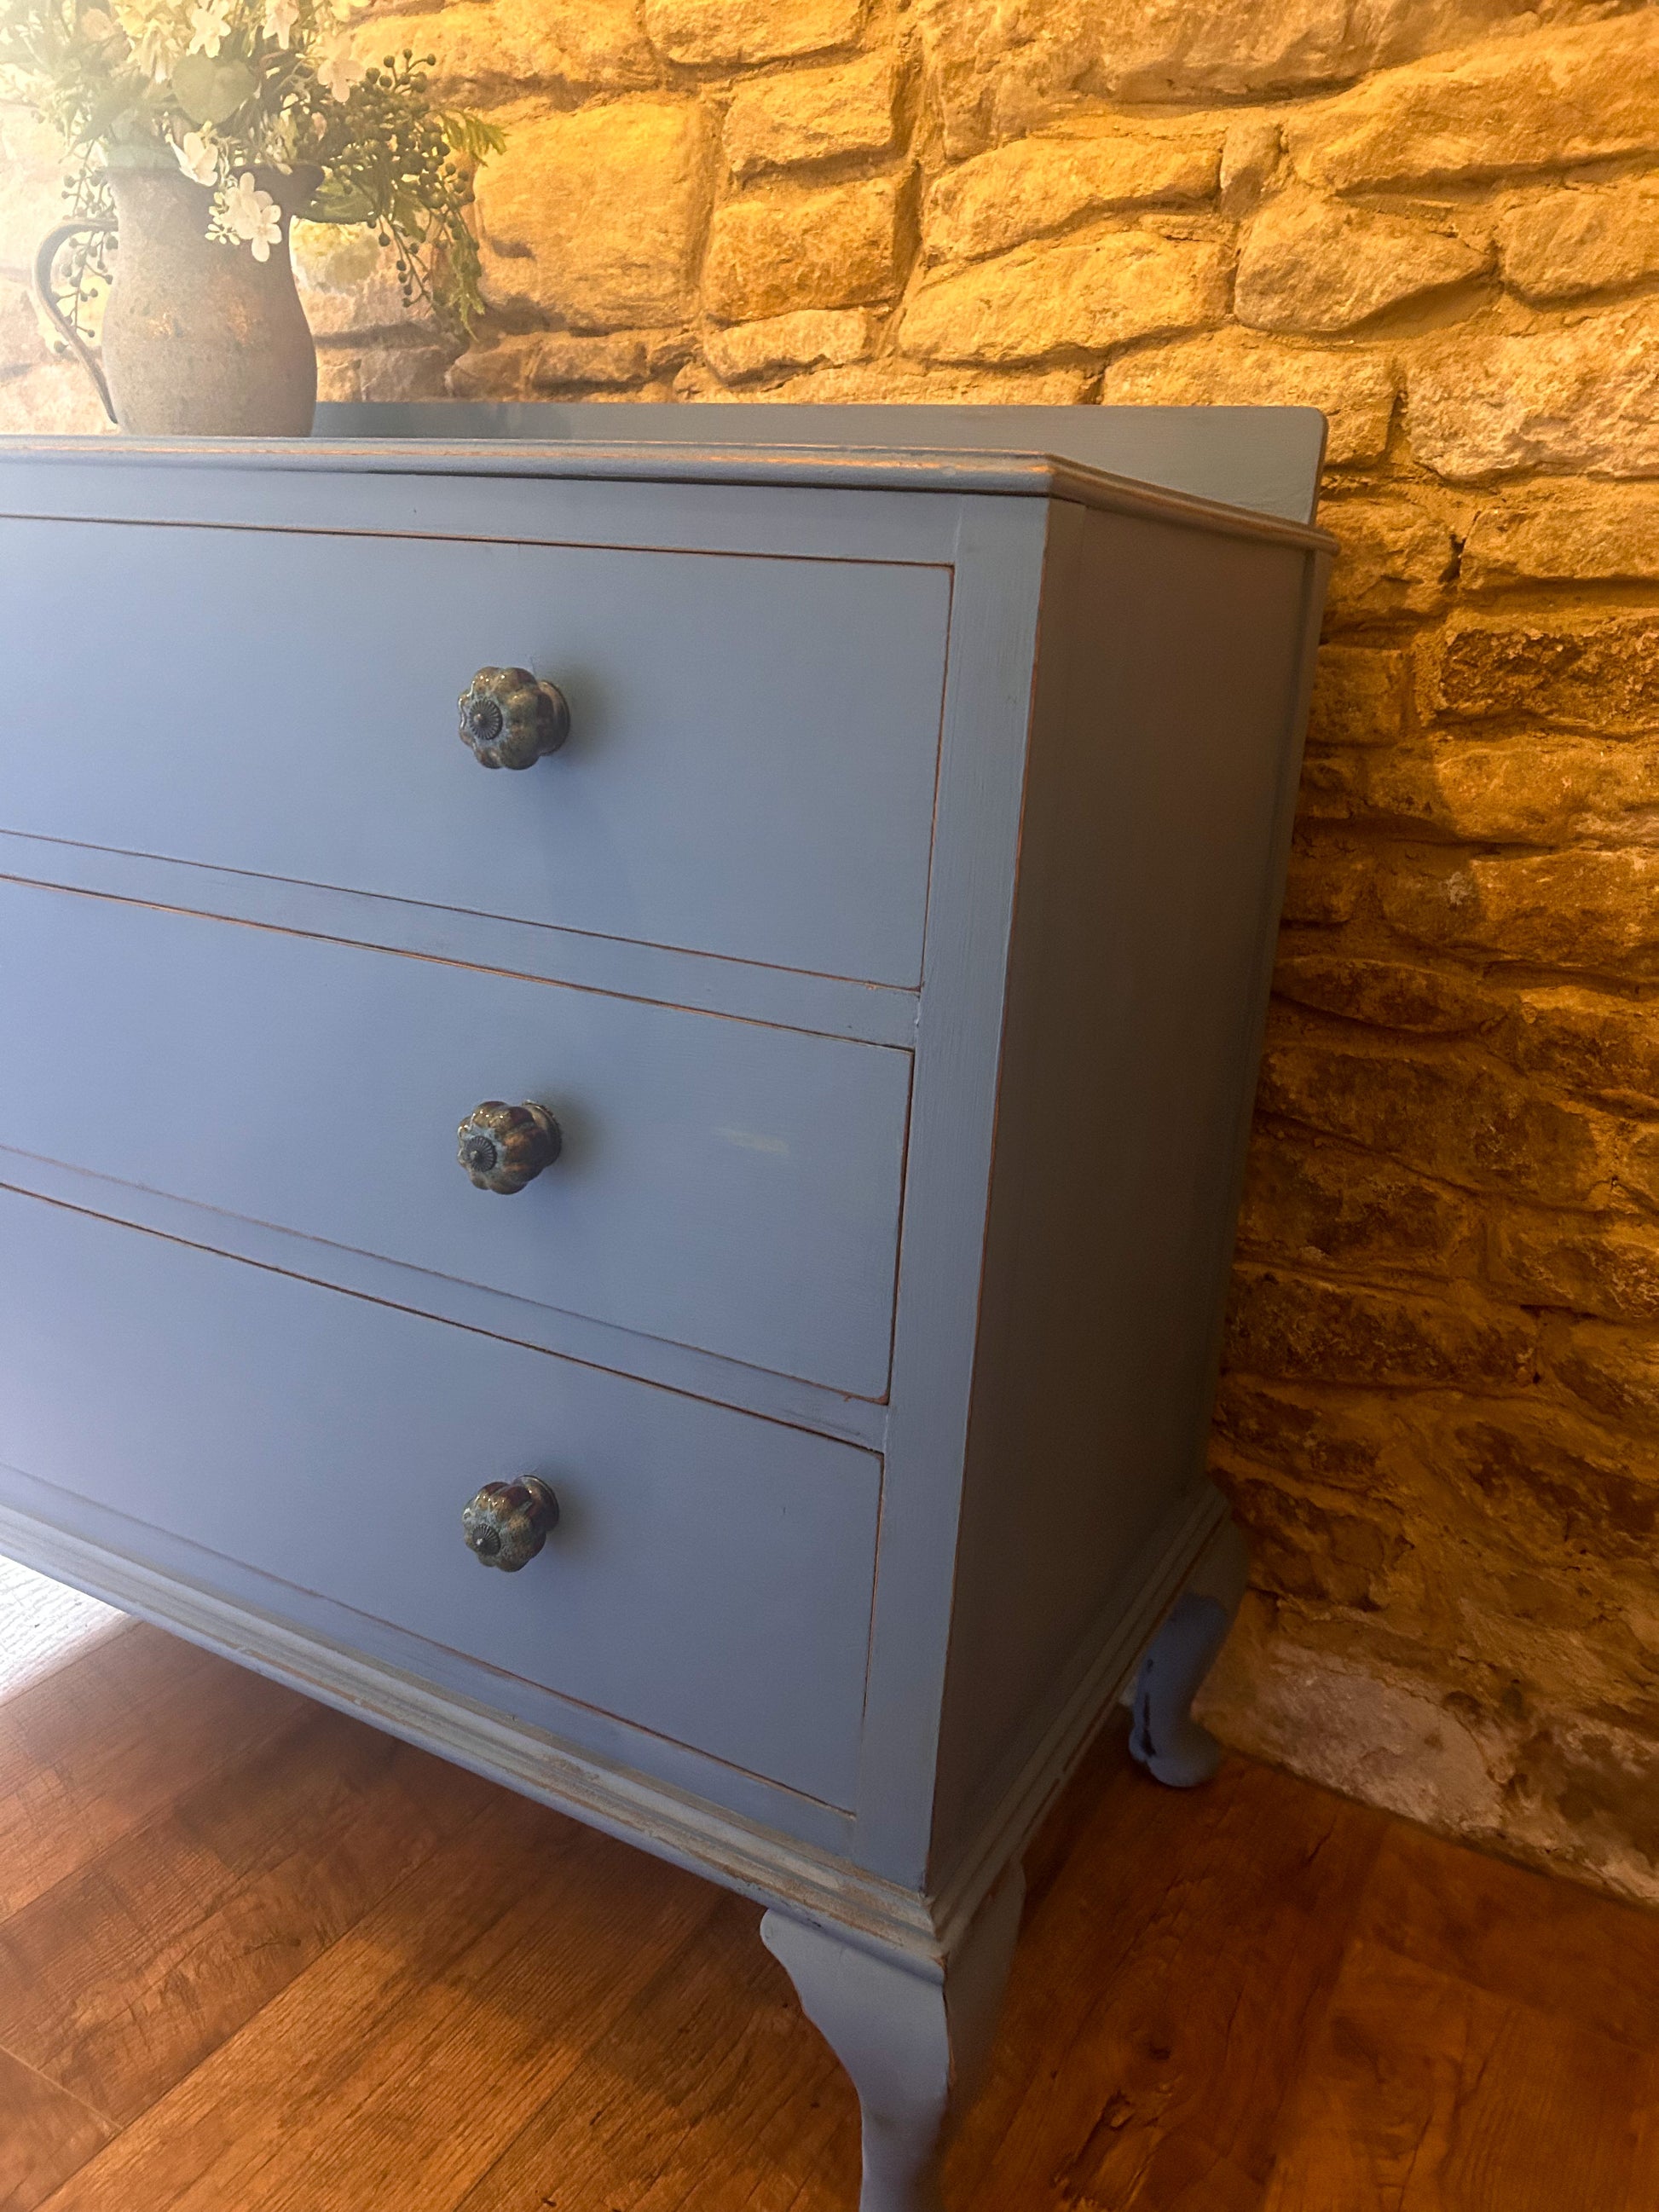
710	2090
312	1971
46	2135
1114	2046
119	1981
1424	2094
95	1750
1520	1935
398	2067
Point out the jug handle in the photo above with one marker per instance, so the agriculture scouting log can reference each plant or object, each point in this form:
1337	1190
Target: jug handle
51	246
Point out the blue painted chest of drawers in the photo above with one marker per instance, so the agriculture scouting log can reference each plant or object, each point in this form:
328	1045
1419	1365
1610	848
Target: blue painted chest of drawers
887	943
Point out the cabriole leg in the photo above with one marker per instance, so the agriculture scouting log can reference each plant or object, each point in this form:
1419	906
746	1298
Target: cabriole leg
1163	1737
913	2036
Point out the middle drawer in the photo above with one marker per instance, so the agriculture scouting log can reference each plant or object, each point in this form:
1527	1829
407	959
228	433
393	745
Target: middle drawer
724	1185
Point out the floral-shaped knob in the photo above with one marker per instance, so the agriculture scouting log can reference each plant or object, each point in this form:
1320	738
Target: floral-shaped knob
511	718
502	1148
507	1522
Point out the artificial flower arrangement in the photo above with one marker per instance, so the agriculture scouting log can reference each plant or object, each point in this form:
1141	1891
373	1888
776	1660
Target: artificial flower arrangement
231	90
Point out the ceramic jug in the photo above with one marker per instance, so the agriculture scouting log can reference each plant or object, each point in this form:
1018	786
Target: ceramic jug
200	339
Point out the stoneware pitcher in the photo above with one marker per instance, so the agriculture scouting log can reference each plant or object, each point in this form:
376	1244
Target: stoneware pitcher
199	339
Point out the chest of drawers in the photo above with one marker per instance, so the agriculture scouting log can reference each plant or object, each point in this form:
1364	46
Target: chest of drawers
861	981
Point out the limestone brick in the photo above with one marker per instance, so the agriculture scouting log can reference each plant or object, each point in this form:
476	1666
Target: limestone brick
1579	396
383	373
349	284
567	358
1572	243
1563	533
813	337
1368	1730
1307	1548
1396	558
774	252
1584	913
1562	1491
54	401
1604	1269
1293	1689
521	368
906	385
1086	294
1297	1327
1250	156
1457	1118
1516	792
595	218
728	33
1388	994
1596	1042
1356	391
812	115
1325	1207
1613	1371
1551	99
994	68
1048	181
1309	262
1362	695
505	48
504	370
1598	673
1324	1440
1229	49
1322	887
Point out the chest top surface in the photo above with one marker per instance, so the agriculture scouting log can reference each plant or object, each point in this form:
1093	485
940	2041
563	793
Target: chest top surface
1240	466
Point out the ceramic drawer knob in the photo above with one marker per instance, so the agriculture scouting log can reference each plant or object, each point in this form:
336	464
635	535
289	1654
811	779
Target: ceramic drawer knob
511	720
502	1148
507	1522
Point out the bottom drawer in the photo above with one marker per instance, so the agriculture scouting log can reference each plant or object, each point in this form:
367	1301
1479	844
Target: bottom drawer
711	1575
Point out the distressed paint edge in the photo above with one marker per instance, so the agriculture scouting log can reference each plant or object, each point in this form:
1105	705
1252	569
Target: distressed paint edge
1018	475
760	1864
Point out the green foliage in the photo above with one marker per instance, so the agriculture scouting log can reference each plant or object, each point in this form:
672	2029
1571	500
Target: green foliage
227	88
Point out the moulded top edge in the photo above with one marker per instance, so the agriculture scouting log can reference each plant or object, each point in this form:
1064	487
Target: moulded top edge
1017	474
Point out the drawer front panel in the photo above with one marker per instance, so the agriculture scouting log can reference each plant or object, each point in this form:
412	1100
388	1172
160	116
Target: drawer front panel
724	1185
711	1577
750	773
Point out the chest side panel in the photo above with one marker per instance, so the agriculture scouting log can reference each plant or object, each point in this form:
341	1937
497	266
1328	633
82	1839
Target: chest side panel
1165	752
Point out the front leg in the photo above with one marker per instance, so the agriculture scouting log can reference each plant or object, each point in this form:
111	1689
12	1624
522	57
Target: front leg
914	2034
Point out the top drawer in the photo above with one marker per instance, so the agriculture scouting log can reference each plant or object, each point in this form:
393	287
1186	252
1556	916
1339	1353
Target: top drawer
750	771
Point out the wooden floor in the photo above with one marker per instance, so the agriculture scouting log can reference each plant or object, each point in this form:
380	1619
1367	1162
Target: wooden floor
256	1958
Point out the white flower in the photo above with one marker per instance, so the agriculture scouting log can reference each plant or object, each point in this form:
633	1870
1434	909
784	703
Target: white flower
250	216
281	18
96	24
153	52
211	26
340	72
198	157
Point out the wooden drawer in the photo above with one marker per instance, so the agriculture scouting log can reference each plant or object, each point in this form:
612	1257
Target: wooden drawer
752	771
711	1577
724	1184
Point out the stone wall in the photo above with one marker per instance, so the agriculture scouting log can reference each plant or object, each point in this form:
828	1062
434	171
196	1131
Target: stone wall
1439	220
